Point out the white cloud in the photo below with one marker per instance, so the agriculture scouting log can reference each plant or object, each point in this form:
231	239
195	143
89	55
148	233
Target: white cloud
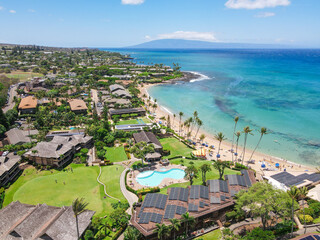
255	4
132	2
31	10
12	11
1	8
265	14
188	35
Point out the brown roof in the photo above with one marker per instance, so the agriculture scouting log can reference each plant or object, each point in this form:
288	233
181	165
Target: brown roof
23	221
147	137
77	104
28	102
198	200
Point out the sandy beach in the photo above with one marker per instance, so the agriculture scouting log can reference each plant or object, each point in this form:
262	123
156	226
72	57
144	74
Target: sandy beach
225	150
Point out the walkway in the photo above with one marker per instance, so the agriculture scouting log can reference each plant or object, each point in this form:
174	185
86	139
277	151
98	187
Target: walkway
104	186
131	197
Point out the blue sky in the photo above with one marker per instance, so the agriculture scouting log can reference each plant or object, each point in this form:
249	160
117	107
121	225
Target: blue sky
117	23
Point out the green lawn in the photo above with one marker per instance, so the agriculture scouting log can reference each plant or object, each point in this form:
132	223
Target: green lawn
176	147
214	235
23	76
133	121
116	154
42	187
214	174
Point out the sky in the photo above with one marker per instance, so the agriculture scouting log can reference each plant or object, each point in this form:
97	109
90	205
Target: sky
120	23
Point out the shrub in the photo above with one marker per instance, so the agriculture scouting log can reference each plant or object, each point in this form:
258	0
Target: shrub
309	219
308	211
316	208
283	228
231	215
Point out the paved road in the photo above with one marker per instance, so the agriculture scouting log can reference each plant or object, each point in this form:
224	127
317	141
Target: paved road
11	103
95	98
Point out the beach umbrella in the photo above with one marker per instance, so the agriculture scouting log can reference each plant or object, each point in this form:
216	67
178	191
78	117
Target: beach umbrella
160	122
206	145
218	155
277	165
236	154
212	146
263	165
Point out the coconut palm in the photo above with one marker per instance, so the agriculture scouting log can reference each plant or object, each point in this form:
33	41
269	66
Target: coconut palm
78	207
237	142
236	119
162	231
293	193
202	137
180	116
199	123
188	221
174	117
204	169
303	192
194	120
220	137
246	131
262	131
175	224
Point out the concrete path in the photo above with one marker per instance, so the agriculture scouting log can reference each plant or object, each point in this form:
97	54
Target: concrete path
104	186
131	197
11	103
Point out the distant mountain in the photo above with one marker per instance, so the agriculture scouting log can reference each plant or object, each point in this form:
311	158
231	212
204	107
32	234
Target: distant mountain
191	44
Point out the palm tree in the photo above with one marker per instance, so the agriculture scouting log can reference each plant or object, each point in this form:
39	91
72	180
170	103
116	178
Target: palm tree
236	119
180	116
246	131
204	169
202	137
237	141
303	192
78	207
199	123
262	131
191	172
293	193
188	221
162	231
132	233
105	226
175	224
220	137
174	117
194	120
220	166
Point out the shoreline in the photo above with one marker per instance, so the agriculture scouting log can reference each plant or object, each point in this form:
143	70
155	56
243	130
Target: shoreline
225	152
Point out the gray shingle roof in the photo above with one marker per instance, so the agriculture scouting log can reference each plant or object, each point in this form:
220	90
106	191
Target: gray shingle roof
147	137
23	221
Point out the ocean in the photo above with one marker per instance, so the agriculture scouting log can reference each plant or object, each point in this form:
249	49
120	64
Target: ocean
276	89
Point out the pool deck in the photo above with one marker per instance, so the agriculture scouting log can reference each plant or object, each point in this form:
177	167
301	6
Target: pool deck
131	179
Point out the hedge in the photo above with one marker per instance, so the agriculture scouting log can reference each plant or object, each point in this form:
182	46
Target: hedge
119	232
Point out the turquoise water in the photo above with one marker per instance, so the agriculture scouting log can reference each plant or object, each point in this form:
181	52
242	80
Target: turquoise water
154	178
277	89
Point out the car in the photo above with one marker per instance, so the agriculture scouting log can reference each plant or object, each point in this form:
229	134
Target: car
5	153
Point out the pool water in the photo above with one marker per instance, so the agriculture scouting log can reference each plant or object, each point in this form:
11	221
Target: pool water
154	178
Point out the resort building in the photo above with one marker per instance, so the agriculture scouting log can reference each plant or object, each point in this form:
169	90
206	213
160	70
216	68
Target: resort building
28	105
149	138
119	91
285	180
9	169
207	204
17	136
139	111
24	221
59	151
118	103
78	106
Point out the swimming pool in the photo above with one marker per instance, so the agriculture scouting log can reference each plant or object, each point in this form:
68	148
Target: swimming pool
154	178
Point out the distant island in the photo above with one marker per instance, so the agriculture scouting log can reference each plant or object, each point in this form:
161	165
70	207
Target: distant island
193	44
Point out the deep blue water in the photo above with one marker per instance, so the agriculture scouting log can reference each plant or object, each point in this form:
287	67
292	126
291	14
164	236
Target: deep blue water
277	89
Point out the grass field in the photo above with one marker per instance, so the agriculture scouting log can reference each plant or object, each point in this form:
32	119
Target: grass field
36	188
116	154
214	235
133	121
176	147
22	76
317	220
213	174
